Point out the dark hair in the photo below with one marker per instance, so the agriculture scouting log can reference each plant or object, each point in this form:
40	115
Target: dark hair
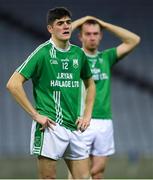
91	21
57	13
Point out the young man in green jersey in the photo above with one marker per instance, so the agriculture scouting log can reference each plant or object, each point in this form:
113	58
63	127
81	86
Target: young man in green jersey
99	135
57	69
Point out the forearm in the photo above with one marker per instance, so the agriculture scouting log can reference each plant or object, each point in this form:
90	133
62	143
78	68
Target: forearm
15	87
77	23
19	94
123	34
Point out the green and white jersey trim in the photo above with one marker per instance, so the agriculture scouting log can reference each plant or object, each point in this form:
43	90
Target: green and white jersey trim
89	55
52	52
20	68
59	49
101	64
59	115
83	96
56	76
38	139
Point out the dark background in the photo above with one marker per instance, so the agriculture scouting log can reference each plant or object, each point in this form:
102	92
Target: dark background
23	28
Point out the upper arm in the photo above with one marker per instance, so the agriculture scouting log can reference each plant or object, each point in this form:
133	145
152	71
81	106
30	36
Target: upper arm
123	49
127	46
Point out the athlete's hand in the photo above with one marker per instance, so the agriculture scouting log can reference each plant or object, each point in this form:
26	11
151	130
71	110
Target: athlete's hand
44	121
82	123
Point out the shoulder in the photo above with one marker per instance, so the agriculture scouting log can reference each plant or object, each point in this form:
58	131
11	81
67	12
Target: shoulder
42	47
108	51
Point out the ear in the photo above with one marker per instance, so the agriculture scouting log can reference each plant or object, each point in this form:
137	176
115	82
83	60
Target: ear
50	28
101	35
80	37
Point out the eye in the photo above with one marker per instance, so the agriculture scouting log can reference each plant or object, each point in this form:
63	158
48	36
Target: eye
69	22
87	34
59	23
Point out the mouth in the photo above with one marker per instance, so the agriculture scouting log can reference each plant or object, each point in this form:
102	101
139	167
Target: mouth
66	33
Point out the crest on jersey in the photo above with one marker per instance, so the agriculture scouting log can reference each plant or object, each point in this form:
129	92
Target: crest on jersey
75	63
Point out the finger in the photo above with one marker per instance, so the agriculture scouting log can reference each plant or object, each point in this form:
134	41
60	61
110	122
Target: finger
50	125
82	129
52	122
84	126
79	125
42	128
77	121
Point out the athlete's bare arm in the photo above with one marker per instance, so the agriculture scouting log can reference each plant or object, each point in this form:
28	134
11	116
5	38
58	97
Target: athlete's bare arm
129	39
15	86
80	21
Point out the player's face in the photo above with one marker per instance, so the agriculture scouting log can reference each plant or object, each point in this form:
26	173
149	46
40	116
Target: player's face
61	29
91	36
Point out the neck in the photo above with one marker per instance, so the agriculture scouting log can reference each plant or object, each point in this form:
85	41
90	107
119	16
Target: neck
60	44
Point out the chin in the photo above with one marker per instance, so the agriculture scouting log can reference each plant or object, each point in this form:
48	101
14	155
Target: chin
92	48
66	38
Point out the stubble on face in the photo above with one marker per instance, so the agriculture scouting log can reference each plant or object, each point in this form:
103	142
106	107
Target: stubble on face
91	36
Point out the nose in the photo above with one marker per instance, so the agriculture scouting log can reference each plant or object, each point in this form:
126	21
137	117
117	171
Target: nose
66	25
92	37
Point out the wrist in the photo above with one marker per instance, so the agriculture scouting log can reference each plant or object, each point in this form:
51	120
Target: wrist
87	117
34	115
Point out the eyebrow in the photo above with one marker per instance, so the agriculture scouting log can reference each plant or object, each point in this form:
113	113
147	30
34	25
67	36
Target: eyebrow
63	20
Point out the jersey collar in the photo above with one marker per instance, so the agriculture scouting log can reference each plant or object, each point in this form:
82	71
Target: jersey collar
89	55
59	49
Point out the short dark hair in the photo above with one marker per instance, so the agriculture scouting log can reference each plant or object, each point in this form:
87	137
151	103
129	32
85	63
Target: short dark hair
91	21
57	13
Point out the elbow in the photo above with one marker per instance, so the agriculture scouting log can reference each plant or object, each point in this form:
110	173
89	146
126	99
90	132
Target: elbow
134	43
137	40
15	82
10	86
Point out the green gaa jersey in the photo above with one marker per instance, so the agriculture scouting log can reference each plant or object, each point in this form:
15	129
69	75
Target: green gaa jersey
100	65
56	75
